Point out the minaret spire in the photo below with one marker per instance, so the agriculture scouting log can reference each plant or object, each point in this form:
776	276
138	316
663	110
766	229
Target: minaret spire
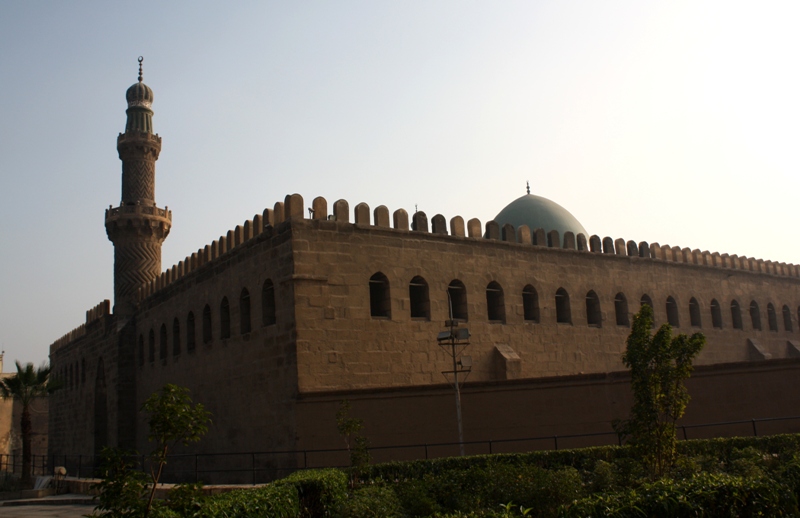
528	186
137	227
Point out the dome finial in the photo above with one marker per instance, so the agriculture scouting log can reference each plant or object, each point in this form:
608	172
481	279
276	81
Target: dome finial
140	68
528	186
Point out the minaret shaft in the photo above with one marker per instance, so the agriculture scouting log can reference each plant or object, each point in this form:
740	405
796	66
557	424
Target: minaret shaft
137	227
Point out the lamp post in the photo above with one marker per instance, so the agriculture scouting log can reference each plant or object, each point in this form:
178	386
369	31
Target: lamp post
457	340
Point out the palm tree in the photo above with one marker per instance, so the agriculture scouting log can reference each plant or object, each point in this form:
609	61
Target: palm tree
26	385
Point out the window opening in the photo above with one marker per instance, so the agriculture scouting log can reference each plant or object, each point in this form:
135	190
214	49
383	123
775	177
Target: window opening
563	312
244	311
495	303
530	303
593	313
224	319
736	315
621	310
694	313
457	298
716	314
418	295
755	315
268	303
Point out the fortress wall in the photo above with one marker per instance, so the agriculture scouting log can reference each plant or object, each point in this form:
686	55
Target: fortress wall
341	347
547	407
292	208
76	365
247	381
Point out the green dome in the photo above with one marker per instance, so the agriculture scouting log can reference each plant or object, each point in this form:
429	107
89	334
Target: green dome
538	212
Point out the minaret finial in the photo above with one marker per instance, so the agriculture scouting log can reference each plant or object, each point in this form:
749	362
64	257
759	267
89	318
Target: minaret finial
528	186
140	68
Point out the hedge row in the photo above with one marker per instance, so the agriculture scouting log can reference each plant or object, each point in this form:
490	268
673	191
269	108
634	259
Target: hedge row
719	477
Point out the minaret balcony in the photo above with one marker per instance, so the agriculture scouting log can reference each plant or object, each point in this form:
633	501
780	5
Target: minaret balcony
141	219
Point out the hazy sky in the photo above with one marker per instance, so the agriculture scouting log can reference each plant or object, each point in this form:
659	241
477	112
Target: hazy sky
674	122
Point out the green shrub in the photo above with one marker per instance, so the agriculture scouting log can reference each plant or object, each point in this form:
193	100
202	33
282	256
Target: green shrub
319	491
370	502
706	495
186	499
272	501
415	498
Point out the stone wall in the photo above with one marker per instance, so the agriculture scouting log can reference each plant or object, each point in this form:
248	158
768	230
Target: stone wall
545	407
246	380
266	386
83	413
342	346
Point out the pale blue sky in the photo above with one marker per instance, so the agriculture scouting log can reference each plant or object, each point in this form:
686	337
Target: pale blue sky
674	122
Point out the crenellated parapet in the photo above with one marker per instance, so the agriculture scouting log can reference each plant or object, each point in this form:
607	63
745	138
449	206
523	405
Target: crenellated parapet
92	315
292	208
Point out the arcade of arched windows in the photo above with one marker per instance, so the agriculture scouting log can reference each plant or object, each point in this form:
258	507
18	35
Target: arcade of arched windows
496	296
456	296
188	330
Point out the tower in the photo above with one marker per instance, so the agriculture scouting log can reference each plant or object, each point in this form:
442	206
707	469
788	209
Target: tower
137	227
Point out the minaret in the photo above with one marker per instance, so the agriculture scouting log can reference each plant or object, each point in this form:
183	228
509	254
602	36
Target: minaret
137	227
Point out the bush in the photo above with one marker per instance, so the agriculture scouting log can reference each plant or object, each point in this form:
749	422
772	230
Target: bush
319	491
370	502
272	501
707	495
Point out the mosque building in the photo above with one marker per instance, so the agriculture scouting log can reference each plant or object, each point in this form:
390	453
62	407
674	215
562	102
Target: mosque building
275	323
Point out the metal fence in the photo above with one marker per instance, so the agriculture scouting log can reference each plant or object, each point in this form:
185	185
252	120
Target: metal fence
12	464
260	467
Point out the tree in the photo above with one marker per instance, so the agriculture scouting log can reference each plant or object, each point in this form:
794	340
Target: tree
659	365
26	385
173	420
357	445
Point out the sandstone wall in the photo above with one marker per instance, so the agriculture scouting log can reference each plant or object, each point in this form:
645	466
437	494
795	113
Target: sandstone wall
86	368
342	346
544	407
247	380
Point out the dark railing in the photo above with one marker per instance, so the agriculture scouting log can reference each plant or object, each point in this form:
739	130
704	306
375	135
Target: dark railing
259	467
12	464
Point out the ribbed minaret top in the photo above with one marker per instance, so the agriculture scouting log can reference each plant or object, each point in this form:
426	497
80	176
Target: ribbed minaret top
140	101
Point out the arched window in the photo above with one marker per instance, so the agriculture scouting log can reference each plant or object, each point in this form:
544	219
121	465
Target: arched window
672	312
151	346
772	317
176	337
141	350
563	312
593	315
418	295
621	310
162	343
694	313
190	341
736	315
530	303
244	311
755	315
207	324
457	294
224	319
495	303
787	319
380	302
268	303
716	314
